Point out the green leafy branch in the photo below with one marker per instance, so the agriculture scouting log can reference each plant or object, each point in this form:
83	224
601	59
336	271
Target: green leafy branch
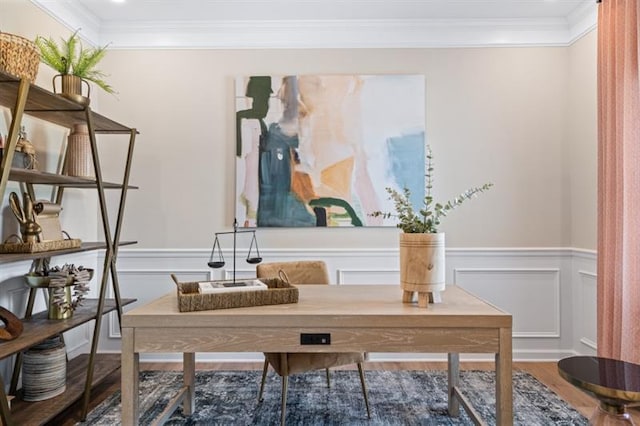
428	218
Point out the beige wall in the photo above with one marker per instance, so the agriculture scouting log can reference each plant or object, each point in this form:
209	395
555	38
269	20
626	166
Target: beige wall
582	135
503	115
494	115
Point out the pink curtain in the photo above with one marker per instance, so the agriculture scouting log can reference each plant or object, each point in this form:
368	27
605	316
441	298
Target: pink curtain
619	180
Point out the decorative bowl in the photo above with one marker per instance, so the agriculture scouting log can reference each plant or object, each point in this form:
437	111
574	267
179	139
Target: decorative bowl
37	280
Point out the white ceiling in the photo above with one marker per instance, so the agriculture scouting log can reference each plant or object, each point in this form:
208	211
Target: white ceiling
324	23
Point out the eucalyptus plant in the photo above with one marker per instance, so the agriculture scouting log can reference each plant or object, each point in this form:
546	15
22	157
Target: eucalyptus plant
427	219
71	57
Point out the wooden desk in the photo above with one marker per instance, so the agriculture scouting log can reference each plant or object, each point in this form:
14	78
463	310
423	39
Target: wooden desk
359	318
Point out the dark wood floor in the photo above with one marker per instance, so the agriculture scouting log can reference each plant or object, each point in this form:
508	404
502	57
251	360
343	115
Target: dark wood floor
546	372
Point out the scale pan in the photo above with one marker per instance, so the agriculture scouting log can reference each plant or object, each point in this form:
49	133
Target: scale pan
215	264
254	260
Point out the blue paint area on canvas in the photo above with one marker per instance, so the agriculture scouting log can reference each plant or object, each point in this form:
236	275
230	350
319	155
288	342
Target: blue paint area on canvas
406	161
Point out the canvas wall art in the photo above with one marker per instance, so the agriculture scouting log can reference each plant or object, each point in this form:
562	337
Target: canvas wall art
319	150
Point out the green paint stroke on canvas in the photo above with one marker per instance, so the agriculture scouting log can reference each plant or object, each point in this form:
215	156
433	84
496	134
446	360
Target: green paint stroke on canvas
329	202
259	90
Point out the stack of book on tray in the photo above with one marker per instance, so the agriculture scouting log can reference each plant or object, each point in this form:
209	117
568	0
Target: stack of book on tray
215	287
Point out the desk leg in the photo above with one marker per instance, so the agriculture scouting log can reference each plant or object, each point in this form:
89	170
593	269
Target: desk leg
189	378
504	391
129	379
454	380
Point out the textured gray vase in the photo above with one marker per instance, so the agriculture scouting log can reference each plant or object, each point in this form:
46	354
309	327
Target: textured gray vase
79	161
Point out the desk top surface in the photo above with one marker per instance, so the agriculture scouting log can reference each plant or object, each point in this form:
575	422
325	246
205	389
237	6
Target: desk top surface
331	306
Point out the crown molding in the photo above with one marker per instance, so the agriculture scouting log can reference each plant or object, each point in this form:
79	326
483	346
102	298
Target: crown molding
73	16
582	20
337	34
283	34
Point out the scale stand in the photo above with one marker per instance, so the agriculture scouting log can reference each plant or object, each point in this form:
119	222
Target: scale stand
217	260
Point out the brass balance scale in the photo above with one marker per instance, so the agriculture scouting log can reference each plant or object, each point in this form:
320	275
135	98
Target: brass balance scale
216	260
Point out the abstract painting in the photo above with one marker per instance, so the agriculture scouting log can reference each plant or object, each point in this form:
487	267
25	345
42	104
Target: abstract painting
319	150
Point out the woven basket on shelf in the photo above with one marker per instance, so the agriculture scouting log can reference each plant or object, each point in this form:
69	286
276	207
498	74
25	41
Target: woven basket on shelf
18	56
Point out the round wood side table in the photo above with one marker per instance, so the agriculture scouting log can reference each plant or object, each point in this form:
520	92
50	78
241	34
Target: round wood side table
616	384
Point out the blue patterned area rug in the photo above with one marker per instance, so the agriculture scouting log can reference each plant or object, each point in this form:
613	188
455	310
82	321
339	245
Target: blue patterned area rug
396	398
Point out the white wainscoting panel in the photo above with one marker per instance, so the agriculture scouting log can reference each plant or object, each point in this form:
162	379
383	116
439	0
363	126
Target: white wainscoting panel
538	286
16	300
584	279
550	292
587	321
367	276
241	274
532	296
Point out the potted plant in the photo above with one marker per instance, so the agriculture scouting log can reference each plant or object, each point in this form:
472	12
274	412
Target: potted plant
421	244
75	63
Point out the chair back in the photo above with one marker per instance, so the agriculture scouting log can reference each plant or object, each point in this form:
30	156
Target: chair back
298	272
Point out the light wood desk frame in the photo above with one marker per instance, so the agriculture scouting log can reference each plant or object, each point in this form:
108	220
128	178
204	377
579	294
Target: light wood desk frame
359	318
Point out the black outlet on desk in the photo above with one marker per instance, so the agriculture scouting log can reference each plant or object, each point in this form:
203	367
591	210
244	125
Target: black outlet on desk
315	338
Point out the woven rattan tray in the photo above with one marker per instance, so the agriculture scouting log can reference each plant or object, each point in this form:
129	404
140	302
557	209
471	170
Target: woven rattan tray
279	292
40	246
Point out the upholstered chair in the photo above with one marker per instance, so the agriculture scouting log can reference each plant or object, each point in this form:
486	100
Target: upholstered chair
285	364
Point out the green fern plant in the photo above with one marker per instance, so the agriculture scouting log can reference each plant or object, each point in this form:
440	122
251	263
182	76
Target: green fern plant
71	57
428	218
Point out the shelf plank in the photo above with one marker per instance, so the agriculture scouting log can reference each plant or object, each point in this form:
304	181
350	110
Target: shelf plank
51	107
38	327
40	412
36	177
86	246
